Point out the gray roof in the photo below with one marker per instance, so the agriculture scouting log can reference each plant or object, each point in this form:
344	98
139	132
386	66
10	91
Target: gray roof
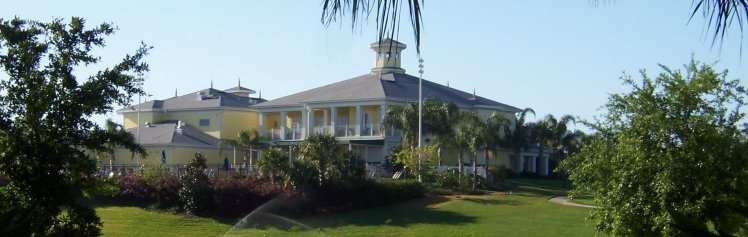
397	86
166	133
211	98
239	89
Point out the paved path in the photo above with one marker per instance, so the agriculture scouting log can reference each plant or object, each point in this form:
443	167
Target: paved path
565	201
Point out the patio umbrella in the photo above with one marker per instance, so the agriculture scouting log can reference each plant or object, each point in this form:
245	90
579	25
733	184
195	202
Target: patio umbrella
163	157
225	163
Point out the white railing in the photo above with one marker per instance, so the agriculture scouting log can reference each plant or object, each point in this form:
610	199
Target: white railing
345	130
294	134
273	134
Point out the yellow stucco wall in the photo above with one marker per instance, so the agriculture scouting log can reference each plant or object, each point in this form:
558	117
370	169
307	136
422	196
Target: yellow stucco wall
174	155
234	121
272	120
192	118
374	110
130	119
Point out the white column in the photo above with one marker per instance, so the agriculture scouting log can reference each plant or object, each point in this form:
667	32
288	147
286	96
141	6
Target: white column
366	153
304	121
521	161
382	113
324	118
547	165
533	165
261	120
359	120
283	125
333	119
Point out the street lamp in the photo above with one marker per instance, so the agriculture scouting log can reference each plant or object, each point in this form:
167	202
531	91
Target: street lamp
420	113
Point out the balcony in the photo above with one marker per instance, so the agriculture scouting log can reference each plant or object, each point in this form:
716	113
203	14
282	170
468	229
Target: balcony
339	131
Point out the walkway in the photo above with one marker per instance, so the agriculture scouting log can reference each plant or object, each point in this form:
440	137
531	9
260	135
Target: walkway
565	201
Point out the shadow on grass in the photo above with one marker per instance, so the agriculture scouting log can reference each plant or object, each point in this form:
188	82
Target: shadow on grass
417	211
495	201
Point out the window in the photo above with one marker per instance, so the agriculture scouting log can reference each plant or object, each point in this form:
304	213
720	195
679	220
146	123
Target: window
204	122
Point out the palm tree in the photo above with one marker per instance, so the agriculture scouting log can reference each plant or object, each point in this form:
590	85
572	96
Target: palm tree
245	140
274	161
719	13
319	150
438	118
471	132
549	132
494	126
405	120
118	135
517	136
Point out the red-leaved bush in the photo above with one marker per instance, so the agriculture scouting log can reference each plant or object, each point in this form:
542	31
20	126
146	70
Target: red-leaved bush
134	188
236	196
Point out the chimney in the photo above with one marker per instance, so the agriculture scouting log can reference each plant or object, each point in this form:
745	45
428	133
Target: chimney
180	127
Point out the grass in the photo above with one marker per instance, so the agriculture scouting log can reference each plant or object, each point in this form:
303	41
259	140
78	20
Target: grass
526	212
555	183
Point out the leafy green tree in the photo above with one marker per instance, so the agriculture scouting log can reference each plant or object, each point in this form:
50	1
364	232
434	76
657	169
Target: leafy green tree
45	131
413	157
670	157
274	162
196	194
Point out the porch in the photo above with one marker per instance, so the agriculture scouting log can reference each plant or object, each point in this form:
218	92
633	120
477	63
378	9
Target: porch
343	122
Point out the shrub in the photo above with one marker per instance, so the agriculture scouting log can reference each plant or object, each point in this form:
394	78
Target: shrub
388	191
134	188
447	179
303	176
166	190
367	194
235	196
196	194
152	173
498	173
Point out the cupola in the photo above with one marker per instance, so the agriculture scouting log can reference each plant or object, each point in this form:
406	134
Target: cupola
388	55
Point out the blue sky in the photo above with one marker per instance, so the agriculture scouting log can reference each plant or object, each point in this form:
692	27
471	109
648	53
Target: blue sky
557	56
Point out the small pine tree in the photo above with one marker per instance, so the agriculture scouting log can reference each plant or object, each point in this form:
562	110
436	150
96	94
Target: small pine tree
196	192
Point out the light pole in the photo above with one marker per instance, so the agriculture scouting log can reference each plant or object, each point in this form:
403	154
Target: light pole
420	113
137	125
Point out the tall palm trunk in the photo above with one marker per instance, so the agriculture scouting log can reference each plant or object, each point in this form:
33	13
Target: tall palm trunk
459	166
475	168
485	162
540	154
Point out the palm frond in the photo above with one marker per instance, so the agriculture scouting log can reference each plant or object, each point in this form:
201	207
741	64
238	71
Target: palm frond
387	13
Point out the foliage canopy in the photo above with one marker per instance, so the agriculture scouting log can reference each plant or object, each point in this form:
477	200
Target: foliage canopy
670	157
45	131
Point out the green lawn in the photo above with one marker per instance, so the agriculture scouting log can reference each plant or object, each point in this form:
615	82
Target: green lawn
526	212
556	183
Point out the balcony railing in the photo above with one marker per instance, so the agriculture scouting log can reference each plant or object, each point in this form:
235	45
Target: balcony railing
273	134
342	131
294	134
